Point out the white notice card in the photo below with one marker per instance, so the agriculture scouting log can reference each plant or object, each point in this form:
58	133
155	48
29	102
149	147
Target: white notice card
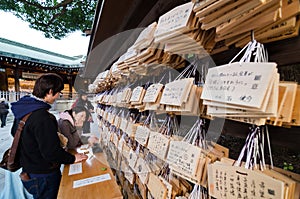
91	180
75	168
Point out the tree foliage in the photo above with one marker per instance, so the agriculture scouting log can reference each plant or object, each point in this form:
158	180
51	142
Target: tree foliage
56	18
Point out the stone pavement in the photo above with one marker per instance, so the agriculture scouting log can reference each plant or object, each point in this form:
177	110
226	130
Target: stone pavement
6	139
5	142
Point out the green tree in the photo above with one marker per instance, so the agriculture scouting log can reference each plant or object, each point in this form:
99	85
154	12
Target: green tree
56	18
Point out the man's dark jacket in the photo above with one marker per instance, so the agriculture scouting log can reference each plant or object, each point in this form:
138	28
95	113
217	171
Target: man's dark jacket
40	150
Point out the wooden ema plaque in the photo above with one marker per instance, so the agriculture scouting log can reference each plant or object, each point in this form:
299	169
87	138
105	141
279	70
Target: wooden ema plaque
242	84
226	181
176	93
287	96
142	169
175	20
152	92
146	37
193	106
142	134
158	144
232	11
136	94
128	173
133	156
296	109
183	157
156	187
269	107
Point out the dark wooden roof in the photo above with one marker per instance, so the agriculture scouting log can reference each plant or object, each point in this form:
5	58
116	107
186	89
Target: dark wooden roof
114	17
118	23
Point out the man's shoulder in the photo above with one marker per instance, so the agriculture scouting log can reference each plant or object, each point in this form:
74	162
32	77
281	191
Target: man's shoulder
42	114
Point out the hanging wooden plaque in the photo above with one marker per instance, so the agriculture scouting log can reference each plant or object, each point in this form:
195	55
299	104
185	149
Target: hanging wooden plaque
142	170
128	173
175	20
183	157
142	134
177	92
226	181
152	92
133	156
136	94
243	84
156	187
158	144
286	113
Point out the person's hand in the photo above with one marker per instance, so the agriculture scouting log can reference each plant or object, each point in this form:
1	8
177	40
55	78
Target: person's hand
80	157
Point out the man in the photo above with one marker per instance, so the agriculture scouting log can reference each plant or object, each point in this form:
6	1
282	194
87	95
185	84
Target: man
3	112
40	152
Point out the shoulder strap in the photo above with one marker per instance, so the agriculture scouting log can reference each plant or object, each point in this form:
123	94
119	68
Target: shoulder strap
14	146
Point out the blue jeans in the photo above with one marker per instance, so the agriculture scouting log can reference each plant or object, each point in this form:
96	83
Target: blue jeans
43	186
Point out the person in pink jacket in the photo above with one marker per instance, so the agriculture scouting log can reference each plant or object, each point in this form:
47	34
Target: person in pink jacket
68	124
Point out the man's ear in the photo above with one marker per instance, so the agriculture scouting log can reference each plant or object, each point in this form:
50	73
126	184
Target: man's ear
50	92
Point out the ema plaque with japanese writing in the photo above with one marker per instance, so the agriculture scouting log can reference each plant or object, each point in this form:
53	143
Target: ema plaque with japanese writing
242	84
226	181
183	157
177	92
174	20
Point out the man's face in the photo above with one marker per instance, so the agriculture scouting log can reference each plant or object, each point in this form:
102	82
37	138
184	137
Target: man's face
50	98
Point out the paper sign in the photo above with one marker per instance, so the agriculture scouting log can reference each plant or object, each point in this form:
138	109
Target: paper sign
75	168
91	180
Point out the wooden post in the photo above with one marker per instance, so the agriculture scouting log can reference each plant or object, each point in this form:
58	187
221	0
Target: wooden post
17	82
70	81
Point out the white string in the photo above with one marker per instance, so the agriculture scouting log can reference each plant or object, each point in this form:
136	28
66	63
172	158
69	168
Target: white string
184	71
240	52
197	193
262	147
269	146
250	151
239	160
248	54
162	78
189	137
252	48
